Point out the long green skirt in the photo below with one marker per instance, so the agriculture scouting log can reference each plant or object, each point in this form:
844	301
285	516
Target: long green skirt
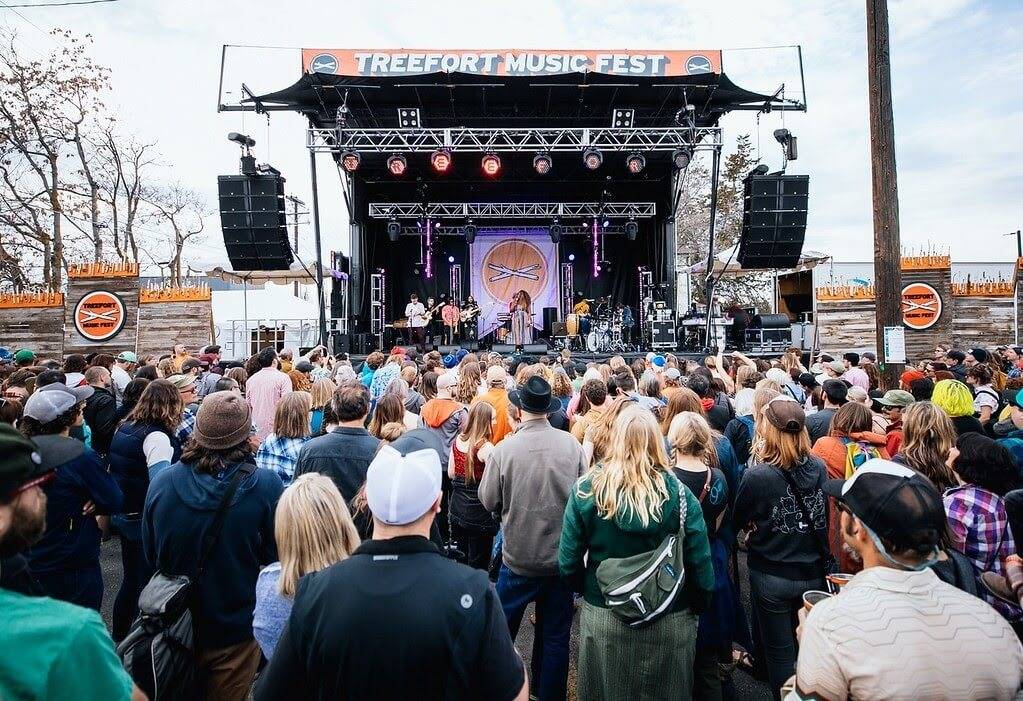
617	662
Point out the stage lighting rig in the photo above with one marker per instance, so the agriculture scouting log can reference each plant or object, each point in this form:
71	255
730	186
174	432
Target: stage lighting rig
788	143
397	164
592	157
680	159
246	142
542	163
631	229
556	231
441	160
350	161
470	231
491	164
635	163
393	230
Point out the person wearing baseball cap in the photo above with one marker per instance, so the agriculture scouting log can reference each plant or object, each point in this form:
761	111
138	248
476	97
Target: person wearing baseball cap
49	649
121	373
181	504
893	405
893	519
66	560
431	628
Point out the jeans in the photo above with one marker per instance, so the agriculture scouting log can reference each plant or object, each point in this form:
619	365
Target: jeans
83	586
136	575
549	665
476	545
776	602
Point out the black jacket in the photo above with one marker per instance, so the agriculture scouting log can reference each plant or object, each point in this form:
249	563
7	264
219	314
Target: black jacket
344	455
101	415
396	620
721	413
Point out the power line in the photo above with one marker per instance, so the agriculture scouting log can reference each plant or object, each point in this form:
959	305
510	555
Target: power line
59	4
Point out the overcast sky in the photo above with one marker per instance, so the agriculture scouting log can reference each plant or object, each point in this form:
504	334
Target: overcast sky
957	71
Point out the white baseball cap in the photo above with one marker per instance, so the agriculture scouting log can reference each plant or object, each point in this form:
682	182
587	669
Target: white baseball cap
50	402
447	380
401	488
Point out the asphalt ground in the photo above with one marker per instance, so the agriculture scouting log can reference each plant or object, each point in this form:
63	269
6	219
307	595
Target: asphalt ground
746	688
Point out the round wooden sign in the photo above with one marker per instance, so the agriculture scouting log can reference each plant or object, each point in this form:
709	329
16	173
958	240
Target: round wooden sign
514	265
99	316
921	306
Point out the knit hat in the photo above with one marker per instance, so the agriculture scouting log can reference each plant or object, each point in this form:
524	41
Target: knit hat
979	354
401	488
24	356
21	462
910	376
224	420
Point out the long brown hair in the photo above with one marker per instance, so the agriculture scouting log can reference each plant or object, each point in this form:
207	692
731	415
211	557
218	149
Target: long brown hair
927	437
160	405
479	428
388	409
852	417
291	418
468	383
682	400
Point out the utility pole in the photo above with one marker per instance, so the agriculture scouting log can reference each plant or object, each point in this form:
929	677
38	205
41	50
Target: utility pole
887	248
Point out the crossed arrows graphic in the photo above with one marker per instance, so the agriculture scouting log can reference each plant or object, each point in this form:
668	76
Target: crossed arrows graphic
910	306
506	272
101	316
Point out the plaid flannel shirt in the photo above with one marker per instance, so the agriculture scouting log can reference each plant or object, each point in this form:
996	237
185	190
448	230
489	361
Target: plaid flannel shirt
187	426
980	530
280	455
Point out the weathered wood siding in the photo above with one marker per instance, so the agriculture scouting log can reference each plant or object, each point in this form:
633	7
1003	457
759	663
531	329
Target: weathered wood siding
983	321
920	344
845	324
127	288
38	328
163	324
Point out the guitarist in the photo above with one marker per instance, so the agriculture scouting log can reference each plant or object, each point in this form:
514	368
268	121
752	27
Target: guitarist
433	323
470	312
450	315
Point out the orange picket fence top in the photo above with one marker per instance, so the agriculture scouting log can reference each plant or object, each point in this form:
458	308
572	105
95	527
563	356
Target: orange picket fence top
31	300
189	293
984	288
926	262
841	293
92	270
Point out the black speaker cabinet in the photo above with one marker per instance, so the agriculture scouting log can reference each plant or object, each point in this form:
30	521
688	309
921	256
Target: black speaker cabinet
773	220
252	219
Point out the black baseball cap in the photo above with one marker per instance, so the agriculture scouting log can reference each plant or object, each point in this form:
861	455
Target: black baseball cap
898	504
21	463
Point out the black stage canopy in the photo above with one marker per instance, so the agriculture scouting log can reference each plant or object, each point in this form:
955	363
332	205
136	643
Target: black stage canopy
460	101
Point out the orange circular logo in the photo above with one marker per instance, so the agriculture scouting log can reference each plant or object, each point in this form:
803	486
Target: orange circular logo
99	316
514	265
921	306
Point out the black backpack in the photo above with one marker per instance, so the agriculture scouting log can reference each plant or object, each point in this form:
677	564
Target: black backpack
159	650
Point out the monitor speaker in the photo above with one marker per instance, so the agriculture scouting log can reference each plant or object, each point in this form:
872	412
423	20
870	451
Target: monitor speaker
502	348
535	348
252	219
340	343
773	220
448	350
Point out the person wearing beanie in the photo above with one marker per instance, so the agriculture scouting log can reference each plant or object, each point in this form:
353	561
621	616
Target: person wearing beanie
180	506
396	619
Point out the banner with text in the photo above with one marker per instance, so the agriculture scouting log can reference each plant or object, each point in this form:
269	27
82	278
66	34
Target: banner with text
379	63
503	264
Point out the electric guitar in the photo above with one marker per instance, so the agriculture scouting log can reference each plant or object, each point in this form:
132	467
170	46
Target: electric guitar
428	316
469	314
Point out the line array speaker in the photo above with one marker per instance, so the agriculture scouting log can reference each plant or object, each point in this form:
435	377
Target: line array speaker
773	220
252	219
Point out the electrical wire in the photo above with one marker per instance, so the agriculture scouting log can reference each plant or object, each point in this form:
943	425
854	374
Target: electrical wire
59	4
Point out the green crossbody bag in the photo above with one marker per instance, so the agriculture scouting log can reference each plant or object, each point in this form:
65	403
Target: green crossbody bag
641	588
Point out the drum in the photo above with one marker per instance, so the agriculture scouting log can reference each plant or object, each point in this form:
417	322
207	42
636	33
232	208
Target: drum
596	341
572	324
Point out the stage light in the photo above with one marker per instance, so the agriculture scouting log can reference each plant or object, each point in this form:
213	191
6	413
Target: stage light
631	229
470	232
542	163
350	161
451	259
491	164
623	118
242	140
635	163
592	157
607	223
397	164
556	231
408	117
393	230
571	257
680	159
441	160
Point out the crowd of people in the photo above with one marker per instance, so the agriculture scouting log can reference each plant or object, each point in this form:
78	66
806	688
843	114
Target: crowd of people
383	529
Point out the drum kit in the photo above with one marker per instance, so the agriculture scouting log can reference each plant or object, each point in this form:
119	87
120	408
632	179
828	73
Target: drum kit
596	334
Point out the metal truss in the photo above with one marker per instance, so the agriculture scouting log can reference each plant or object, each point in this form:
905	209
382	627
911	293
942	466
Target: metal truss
574	230
511	210
320	140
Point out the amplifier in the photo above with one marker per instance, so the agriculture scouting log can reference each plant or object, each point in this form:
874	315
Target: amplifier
662	334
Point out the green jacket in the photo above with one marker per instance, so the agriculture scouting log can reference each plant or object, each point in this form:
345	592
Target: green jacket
584	532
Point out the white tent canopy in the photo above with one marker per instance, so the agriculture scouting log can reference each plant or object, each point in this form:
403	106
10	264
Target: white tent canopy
299	273
725	264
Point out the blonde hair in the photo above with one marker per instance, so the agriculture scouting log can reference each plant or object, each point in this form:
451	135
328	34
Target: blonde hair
468	382
313	529
321	392
478	428
927	437
690	434
392	431
953	397
632	482
776	447
602	429
291	418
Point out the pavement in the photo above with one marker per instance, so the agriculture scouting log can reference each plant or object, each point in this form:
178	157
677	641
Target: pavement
746	688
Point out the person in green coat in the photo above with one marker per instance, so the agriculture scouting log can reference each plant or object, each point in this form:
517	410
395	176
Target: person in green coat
623	507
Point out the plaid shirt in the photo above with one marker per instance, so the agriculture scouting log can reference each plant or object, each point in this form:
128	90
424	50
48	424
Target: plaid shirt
186	426
980	530
280	455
